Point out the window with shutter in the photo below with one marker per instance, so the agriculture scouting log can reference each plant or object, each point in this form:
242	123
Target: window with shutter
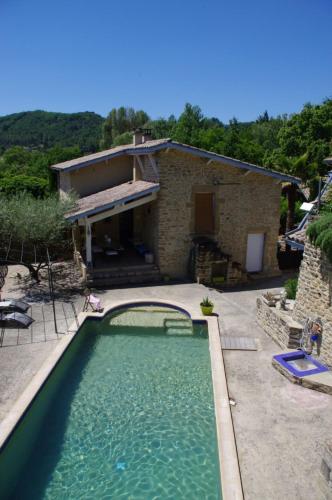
204	213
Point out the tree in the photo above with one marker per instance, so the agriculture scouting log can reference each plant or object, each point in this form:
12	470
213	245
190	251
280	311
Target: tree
162	127
309	132
213	139
188	126
25	170
125	138
119	121
299	167
34	222
263	118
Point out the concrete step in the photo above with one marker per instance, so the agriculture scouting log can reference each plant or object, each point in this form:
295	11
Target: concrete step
123	271
124	279
179	331
178	326
177	323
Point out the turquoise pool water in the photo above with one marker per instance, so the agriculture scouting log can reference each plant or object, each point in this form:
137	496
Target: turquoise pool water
128	413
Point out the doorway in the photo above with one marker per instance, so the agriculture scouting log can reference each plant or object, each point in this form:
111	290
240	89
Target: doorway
204	213
255	252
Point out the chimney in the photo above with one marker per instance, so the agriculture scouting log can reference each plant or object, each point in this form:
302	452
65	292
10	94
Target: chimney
147	135
138	136
142	135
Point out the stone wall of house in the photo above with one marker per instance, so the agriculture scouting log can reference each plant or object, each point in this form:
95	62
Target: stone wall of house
146	168
240	201
151	171
313	297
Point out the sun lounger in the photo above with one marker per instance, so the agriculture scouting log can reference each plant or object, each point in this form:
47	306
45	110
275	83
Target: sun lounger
15	320
12	305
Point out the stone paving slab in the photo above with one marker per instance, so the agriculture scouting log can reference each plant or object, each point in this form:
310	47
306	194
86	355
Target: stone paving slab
238	343
319	382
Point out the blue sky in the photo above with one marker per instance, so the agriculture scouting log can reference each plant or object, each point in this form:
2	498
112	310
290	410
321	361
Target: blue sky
231	57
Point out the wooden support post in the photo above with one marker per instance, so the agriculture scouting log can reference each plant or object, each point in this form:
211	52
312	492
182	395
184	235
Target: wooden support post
135	176
88	245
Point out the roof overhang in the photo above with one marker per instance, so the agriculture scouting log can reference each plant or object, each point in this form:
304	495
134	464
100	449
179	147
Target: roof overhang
108	208
87	162
225	160
147	148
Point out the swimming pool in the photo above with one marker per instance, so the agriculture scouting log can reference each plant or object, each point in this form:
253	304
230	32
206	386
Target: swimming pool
128	412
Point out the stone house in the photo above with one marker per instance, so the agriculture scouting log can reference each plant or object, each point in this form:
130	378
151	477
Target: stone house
158	208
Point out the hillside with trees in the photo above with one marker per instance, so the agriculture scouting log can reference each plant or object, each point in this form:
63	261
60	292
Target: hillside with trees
43	129
32	141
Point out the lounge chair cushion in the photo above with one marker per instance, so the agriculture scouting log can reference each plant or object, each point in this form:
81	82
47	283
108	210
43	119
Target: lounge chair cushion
15	320
13	305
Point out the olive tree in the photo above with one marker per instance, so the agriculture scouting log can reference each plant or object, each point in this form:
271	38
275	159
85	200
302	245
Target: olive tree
30	223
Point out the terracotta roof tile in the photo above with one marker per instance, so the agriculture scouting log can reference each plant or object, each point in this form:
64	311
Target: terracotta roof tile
298	236
103	200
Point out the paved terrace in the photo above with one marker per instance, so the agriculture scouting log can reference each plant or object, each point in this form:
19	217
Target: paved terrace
280	428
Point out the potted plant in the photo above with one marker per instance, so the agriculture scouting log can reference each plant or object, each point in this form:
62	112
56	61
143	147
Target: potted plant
207	306
269	299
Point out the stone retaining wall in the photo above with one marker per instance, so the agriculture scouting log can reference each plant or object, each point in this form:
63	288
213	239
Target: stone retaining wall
279	325
313	297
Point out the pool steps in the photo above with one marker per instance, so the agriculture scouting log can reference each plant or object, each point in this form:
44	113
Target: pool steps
175	326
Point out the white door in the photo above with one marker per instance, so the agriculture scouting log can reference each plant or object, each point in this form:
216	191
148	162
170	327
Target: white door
255	252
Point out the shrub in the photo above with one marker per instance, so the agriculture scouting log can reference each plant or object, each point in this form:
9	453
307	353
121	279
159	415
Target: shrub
320	233
291	288
16	184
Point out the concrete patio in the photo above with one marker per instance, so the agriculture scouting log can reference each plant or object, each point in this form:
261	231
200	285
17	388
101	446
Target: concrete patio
280	428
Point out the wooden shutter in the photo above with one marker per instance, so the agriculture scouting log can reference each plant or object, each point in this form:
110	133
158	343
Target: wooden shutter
204	213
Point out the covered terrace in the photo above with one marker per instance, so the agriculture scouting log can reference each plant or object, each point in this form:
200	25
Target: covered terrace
116	227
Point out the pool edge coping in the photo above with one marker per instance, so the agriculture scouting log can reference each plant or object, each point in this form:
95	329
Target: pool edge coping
231	484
